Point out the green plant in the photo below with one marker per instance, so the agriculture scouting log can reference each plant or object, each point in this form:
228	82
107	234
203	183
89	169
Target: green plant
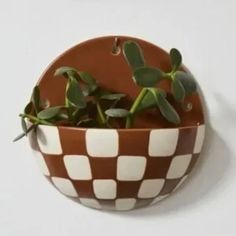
147	77
87	104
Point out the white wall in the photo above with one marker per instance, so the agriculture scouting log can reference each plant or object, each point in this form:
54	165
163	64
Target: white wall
33	33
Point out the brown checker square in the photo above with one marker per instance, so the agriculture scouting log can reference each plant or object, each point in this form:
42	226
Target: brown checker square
103	168
143	202
128	143
128	189
194	159
56	165
73	141
186	141
84	188
157	167
169	186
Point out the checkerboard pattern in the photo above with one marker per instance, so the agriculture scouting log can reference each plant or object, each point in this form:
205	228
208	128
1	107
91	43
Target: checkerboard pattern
116	169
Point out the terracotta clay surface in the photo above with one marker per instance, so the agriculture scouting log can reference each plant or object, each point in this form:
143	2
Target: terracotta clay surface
113	73
116	169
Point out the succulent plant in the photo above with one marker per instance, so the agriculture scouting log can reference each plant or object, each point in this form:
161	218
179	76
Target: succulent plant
147	77
84	99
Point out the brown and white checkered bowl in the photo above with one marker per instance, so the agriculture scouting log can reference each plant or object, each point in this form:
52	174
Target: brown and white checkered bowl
117	169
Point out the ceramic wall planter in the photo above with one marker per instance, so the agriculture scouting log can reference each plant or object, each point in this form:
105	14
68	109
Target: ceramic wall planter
116	169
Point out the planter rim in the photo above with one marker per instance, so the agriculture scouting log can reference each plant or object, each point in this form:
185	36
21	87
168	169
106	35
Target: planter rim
119	129
123	129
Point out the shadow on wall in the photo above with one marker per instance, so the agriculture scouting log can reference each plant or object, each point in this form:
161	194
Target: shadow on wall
211	168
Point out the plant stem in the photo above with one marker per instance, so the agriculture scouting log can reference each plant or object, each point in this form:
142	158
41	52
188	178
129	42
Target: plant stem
169	75
100	113
67	104
136	103
44	122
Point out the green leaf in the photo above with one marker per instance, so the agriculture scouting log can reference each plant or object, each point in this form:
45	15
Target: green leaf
149	101
177	90
20	136
89	89
75	95
72	73
23	125
187	81
166	109
99	92
66	71
87	78
49	113
61	116
133	54
176	59
25	133
28	109
147	76
113	96
86	91
91	83
117	112
36	99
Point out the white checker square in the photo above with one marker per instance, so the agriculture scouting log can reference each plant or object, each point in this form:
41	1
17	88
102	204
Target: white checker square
102	142
65	186
90	202
125	204
41	163
178	166
150	188
163	142
131	168
78	167
104	188
49	140
199	139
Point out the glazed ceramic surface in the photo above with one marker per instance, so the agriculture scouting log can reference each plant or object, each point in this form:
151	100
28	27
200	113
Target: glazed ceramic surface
116	169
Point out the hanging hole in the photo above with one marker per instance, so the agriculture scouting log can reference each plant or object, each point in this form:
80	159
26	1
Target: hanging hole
116	47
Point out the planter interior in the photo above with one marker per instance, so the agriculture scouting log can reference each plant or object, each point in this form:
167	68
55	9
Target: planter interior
117	169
